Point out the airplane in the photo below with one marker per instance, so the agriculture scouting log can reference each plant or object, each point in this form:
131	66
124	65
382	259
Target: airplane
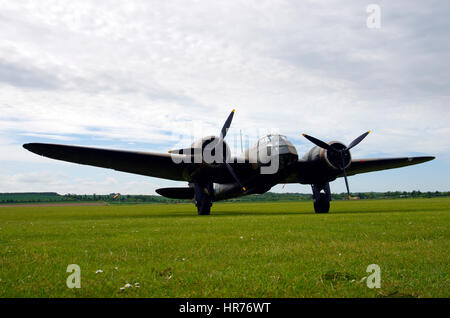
213	174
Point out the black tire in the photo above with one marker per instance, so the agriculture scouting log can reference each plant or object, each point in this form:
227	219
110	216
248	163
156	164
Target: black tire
323	204
204	206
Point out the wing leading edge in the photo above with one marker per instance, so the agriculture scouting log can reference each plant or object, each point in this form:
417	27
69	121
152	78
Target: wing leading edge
143	163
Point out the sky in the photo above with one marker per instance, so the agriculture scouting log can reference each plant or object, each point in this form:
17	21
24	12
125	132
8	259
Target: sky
152	75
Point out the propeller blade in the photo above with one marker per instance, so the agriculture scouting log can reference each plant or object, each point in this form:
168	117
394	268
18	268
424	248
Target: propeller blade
226	126
345	175
223	133
358	140
319	143
230	169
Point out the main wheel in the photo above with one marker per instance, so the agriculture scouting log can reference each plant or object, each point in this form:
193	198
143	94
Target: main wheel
204	206
323	204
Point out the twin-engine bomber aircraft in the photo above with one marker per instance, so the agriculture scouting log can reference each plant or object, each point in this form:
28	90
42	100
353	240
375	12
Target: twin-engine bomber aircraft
213	175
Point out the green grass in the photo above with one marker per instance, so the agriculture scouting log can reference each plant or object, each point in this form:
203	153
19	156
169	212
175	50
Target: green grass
242	250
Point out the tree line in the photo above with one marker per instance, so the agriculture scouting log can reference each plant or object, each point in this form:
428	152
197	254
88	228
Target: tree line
113	198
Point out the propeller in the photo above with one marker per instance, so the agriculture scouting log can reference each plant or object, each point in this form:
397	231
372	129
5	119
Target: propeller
223	133
219	143
340	152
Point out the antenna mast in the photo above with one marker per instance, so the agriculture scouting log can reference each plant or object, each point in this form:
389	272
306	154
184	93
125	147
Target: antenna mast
242	149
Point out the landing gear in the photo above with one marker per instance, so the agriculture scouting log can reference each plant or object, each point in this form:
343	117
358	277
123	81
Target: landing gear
203	197
322	197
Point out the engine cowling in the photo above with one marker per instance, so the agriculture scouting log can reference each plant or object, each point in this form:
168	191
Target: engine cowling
209	153
329	158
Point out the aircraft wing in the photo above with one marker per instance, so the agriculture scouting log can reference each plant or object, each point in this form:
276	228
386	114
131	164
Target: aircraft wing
143	163
370	165
310	172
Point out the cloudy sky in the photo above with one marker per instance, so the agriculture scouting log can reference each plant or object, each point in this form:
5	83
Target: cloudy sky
146	75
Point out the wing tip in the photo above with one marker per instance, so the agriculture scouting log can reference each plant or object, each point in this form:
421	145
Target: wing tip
33	147
28	146
424	158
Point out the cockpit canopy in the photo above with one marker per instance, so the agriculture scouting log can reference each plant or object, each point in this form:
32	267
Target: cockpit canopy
267	143
273	140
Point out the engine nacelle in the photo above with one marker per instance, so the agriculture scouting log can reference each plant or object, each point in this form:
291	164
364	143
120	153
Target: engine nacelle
209	150
330	159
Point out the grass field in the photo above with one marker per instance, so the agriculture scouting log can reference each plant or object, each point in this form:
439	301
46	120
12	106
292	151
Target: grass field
242	250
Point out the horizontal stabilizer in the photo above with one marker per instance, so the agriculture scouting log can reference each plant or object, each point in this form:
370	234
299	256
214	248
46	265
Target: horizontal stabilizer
176	193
